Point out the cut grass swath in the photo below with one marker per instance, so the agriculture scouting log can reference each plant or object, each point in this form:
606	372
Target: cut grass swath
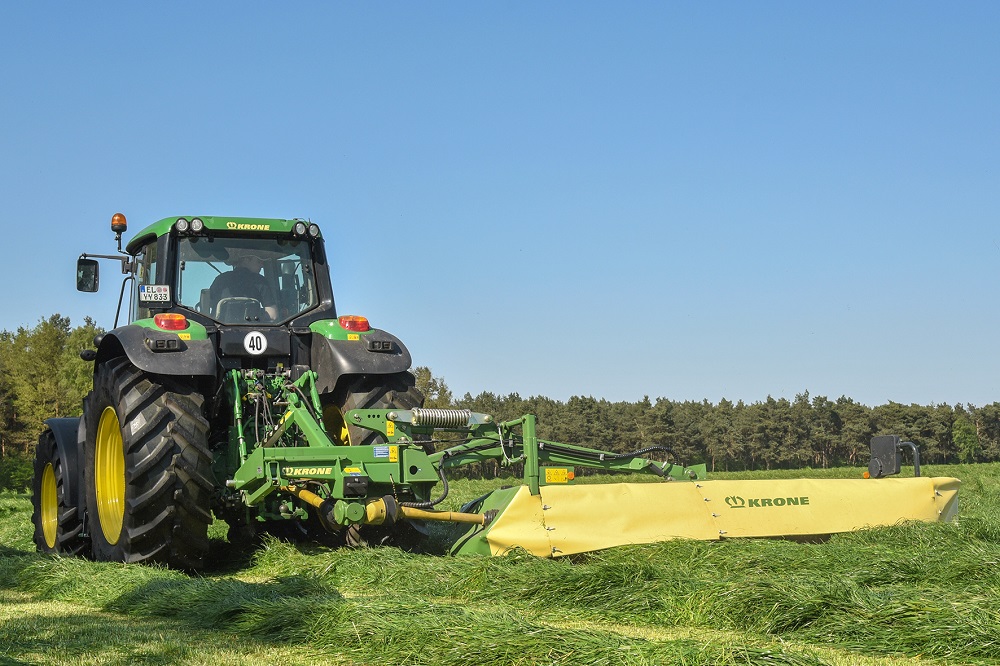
926	589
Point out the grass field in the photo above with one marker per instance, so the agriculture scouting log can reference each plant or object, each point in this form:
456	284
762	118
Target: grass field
925	593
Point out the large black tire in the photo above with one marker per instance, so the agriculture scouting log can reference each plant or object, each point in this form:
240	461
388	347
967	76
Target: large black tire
148	470
58	520
369	392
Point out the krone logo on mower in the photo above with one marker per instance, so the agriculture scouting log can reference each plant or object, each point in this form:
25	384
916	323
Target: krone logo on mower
306	471
737	502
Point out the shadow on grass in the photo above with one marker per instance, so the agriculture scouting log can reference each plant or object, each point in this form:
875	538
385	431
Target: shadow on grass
46	636
266	609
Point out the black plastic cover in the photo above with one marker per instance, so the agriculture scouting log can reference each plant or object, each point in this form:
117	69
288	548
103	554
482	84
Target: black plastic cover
231	341
355	486
886	457
192	357
69	441
379	353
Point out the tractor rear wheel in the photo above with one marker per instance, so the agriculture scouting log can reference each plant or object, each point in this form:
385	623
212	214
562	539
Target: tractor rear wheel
148	470
58	521
369	392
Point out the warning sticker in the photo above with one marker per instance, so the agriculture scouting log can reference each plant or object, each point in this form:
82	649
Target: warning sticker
556	475
154	293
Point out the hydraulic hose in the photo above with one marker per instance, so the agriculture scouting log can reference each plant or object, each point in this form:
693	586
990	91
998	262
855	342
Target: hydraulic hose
427	505
600	455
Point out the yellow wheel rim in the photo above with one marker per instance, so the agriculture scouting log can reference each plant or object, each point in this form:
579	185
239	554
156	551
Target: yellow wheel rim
109	475
336	425
49	505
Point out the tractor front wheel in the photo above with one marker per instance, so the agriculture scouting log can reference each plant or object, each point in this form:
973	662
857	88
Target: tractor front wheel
58	520
148	469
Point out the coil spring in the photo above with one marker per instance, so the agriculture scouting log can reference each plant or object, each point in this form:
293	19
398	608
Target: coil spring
441	418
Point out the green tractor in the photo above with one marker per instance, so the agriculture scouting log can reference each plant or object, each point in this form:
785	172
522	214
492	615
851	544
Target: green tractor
225	312
237	393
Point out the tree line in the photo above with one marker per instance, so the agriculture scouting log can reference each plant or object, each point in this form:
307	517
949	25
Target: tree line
42	376
807	431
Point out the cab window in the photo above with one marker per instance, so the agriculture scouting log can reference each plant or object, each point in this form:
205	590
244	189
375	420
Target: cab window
145	274
245	280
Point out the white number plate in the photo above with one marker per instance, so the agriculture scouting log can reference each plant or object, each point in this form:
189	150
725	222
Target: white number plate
154	293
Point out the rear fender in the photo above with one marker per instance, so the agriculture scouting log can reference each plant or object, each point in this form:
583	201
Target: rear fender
190	357
69	433
374	353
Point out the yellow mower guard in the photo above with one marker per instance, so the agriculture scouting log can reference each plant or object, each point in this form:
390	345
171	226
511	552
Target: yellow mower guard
563	520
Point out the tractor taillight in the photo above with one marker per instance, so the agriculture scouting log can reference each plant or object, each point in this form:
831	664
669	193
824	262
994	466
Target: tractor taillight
355	323
170	321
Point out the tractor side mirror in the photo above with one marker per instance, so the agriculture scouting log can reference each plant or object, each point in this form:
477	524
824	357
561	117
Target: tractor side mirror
88	275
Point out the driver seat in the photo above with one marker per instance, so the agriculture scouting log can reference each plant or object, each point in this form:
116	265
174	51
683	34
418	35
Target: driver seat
238	310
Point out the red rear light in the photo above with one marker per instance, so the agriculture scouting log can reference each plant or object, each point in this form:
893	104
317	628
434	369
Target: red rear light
170	321
355	323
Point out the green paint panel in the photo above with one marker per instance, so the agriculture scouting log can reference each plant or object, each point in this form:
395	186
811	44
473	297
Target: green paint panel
332	330
473	541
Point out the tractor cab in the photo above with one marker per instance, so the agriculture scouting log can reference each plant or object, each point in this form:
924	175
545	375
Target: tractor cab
221	271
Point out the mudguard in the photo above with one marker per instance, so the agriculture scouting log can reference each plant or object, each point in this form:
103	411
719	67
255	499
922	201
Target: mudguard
374	353
68	434
185	357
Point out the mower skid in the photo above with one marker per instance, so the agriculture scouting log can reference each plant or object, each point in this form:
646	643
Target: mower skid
564	520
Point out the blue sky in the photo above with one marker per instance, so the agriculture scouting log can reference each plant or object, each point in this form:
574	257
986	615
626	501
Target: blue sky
684	200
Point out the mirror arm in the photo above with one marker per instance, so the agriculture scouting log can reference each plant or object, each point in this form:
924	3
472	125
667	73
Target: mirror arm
128	266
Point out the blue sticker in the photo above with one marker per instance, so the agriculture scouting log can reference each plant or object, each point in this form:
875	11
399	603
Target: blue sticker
381	451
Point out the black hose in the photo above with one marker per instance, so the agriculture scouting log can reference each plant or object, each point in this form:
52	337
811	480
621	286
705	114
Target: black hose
306	401
427	505
597	455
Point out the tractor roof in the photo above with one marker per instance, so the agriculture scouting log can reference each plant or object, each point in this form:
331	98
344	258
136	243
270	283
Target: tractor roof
253	224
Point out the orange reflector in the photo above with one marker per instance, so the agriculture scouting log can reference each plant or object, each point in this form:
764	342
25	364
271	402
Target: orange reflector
355	323
118	223
867	474
171	321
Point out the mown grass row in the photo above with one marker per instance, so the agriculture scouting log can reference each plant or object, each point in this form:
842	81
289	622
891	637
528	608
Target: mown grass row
930	590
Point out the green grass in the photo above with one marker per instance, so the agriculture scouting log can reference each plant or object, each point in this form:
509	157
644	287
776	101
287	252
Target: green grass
923	593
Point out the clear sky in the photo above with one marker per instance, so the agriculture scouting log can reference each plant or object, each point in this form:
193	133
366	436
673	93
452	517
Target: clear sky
675	199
